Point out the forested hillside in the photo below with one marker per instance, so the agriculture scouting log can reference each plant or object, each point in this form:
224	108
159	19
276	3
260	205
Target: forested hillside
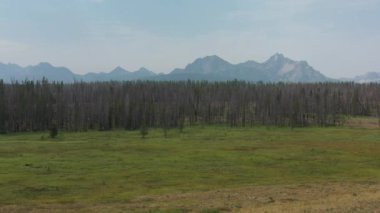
39	106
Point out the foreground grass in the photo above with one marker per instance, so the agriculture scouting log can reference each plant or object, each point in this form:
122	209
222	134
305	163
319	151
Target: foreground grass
117	166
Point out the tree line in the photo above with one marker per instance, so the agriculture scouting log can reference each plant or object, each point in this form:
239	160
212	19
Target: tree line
42	105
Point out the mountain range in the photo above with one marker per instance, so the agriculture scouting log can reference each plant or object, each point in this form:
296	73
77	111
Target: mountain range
277	68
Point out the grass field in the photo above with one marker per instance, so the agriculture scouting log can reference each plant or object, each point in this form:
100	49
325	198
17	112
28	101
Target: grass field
119	167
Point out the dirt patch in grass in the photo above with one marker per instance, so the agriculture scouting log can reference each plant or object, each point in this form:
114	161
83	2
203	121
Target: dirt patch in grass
331	197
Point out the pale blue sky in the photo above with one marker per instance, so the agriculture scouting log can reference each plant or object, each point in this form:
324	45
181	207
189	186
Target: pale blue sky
337	37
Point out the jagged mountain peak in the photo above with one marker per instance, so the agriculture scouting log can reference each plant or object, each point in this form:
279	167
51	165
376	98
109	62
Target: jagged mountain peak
278	58
278	55
143	73
39	67
207	65
143	70
213	59
119	69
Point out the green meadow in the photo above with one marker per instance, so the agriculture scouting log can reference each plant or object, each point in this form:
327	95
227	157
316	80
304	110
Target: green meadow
117	166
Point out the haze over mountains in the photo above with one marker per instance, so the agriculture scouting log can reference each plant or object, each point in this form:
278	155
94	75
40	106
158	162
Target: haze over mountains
277	68
366	78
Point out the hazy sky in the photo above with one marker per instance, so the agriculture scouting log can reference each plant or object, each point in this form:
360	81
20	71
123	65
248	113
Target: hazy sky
337	37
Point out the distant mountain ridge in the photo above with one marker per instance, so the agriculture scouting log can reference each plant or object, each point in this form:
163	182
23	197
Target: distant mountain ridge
366	78
117	74
211	68
12	72
275	69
